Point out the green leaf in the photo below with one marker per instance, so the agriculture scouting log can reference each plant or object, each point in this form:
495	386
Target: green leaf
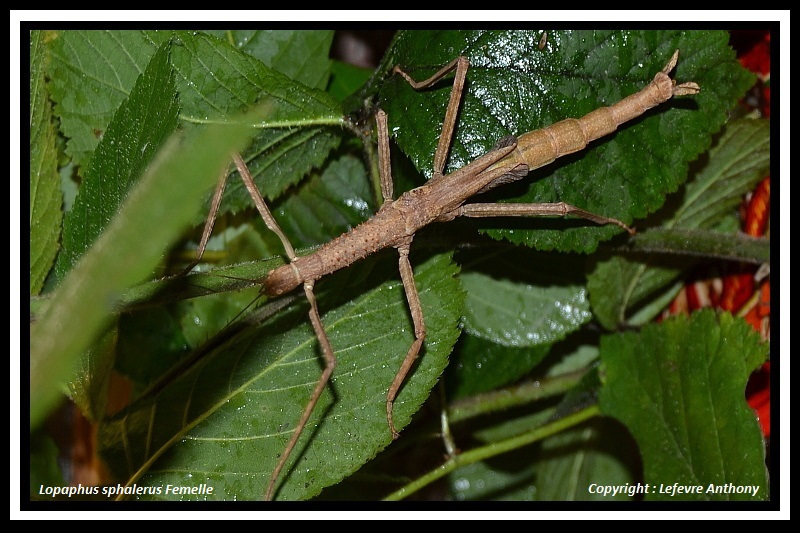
91	73
154	214
226	420
573	460
150	342
519	303
575	357
509	477
679	388
45	213
328	204
88	389
526	473
183	312
618	286
135	134
346	79
740	159
94	71
513	87
503	306
138	129
720	244
302	55
480	365
296	134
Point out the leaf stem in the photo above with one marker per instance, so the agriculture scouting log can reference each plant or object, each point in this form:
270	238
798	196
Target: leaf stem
507	398
263	125
493	449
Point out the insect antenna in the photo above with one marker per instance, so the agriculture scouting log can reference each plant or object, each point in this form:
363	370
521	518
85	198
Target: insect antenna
234	326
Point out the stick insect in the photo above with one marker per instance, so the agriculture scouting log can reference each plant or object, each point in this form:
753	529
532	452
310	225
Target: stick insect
441	199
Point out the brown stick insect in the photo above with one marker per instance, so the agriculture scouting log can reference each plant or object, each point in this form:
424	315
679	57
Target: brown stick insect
441	199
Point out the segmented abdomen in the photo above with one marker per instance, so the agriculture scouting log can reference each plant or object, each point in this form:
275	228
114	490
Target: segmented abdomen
541	147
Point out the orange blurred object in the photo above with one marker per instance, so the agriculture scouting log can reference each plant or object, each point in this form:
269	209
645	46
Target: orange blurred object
743	292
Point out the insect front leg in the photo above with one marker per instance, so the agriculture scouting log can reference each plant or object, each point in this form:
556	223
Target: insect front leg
384	158
216	200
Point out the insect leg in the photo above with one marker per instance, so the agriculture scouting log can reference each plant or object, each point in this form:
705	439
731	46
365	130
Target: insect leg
210	219
330	365
460	64
537	210
313	315
384	158
407	275
261	205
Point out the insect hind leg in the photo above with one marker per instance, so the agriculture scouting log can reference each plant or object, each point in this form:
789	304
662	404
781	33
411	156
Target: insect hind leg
412	295
313	315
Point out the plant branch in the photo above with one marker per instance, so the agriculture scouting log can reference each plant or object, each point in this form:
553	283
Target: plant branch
704	243
502	399
493	449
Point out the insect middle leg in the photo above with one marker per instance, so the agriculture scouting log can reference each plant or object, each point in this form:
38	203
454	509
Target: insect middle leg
460	65
406	274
